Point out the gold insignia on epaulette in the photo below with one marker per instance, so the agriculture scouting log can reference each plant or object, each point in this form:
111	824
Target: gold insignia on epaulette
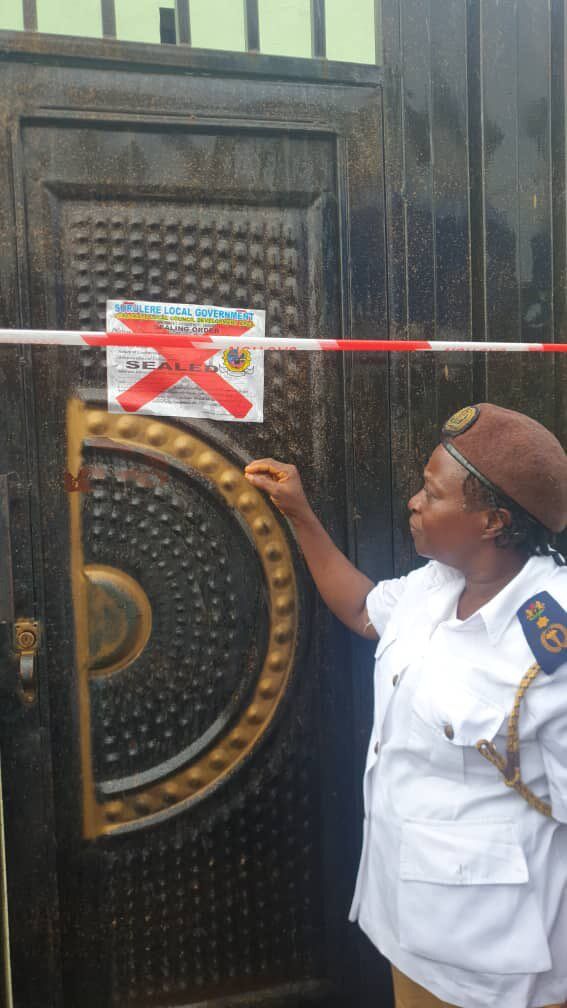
535	610
554	638
462	420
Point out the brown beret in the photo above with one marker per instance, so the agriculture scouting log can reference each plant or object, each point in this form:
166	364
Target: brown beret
513	455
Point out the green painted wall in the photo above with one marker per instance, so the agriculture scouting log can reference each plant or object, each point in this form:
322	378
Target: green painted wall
350	30
11	15
69	17
218	24
285	27
138	20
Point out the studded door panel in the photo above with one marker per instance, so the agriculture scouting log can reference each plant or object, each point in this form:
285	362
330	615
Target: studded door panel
199	698
196	714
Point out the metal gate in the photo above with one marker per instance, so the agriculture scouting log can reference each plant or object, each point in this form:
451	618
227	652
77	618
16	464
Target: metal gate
181	754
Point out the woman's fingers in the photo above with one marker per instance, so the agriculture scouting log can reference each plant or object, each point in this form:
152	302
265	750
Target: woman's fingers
281	482
269	467
262	482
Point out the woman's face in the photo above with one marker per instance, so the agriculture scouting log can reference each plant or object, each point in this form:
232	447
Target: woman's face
441	525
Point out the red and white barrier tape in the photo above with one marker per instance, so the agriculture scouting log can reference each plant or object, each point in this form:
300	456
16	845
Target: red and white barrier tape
159	336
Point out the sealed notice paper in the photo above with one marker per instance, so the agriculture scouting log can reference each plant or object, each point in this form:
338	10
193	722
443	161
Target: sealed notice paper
173	381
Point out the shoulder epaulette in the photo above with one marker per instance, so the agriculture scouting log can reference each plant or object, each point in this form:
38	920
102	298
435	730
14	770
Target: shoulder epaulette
544	622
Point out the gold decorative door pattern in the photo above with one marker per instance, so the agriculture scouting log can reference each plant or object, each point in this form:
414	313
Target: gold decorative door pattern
115	619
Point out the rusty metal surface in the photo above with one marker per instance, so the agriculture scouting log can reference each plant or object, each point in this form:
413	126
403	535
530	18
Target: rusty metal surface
126	181
476	159
164	172
6	573
62	50
26	761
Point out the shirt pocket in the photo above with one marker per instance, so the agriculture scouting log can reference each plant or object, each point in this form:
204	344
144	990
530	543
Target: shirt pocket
464	898
447	720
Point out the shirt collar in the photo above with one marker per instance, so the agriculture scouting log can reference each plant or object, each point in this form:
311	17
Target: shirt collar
501	610
444	588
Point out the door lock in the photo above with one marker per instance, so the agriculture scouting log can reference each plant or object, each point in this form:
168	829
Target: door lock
26	643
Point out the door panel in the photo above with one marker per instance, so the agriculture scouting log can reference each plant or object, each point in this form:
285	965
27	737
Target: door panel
26	782
200	721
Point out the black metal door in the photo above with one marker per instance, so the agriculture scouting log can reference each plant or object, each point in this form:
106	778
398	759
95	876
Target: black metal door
199	842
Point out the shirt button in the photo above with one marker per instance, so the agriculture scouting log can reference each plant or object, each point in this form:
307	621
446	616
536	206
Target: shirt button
395	680
377	748
449	731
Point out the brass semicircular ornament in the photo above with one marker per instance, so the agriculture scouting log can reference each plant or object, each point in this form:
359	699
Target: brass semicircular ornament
119	619
97	587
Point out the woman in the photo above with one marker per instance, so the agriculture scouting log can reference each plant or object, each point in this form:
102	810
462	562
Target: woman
462	882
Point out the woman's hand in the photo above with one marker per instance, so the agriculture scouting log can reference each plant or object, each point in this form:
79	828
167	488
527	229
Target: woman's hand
341	585
283	485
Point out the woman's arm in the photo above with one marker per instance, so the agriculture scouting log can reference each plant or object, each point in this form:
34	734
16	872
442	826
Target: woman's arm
340	584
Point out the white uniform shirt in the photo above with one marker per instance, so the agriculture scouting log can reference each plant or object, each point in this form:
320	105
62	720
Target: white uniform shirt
462	885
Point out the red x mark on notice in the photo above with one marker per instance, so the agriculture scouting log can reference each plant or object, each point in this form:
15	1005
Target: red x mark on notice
161	379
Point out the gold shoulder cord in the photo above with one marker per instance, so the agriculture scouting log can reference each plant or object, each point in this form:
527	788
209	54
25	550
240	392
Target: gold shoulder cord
509	767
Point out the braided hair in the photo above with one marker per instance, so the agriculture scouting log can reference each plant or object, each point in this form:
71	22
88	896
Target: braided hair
523	532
